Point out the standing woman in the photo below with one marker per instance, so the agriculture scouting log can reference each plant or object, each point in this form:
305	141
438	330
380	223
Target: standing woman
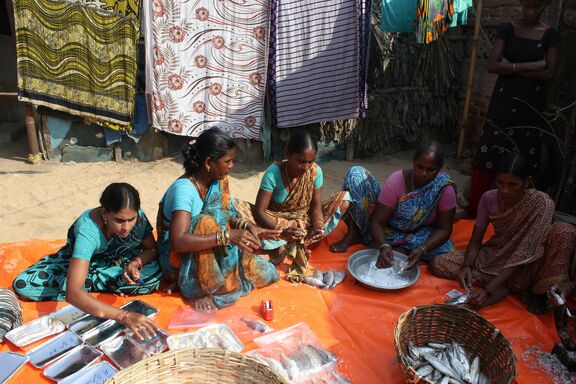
109	249
527	254
290	200
205	250
524	57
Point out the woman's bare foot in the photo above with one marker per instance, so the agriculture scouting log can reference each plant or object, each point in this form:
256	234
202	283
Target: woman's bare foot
352	237
205	304
277	255
173	287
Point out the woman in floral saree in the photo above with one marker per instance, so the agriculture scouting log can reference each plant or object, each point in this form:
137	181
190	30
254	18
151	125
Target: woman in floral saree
205	250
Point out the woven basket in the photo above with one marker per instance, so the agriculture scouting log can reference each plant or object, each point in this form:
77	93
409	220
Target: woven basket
439	323
198	366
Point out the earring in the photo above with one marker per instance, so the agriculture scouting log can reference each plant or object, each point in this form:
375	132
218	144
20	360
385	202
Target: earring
208	169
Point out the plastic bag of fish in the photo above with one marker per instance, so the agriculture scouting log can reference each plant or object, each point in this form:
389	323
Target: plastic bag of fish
212	336
327	279
295	353
445	363
298	365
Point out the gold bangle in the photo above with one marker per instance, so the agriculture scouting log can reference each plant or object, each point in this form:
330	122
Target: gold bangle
385	245
514	67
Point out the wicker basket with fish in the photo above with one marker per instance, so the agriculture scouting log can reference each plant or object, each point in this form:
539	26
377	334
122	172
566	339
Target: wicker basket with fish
441	343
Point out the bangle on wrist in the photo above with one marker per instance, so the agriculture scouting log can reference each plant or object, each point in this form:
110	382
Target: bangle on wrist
121	318
385	245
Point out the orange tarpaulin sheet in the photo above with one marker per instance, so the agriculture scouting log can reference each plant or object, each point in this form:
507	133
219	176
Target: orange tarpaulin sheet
355	323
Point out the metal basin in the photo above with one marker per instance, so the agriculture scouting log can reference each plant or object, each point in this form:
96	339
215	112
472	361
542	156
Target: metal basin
361	266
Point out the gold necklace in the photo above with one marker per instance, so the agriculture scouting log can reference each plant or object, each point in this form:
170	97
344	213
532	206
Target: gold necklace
197	187
289	185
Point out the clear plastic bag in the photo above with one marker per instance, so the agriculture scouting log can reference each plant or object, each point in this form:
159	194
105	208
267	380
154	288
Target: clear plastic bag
295	353
188	317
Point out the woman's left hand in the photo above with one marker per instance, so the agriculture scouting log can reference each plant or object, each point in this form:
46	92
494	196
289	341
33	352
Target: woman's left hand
265	233
479	297
315	235
131	273
414	257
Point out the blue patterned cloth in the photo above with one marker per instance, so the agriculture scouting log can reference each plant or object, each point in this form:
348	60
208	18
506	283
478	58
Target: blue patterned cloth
364	191
407	229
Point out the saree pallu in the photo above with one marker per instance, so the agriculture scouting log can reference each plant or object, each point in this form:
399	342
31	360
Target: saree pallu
223	273
46	279
407	227
524	238
206	65
294	213
76	58
364	190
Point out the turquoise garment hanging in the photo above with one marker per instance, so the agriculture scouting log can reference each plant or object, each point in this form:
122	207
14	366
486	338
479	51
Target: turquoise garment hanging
398	15
460	16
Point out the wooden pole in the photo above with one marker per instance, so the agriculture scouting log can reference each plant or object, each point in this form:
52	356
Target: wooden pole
470	82
34	156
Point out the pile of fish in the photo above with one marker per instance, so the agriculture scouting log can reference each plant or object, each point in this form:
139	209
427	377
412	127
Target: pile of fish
306	360
326	280
445	363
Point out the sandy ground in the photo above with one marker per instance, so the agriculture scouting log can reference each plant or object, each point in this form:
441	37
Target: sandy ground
42	201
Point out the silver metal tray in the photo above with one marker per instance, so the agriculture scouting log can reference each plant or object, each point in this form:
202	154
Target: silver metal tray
140	307
155	345
10	363
53	349
86	324
95	374
103	333
34	330
73	362
212	336
67	314
361	266
123	351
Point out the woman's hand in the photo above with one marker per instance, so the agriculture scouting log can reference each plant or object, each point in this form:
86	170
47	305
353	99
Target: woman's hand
292	234
142	326
466	277
244	239
479	297
315	235
414	257
564	289
385	257
132	272
265	233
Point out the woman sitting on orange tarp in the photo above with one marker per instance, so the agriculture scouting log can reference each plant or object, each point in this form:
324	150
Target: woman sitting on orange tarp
109	249
205	250
527	254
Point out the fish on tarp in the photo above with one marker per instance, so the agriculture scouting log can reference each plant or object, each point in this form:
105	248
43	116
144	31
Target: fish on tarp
257	325
313	282
328	278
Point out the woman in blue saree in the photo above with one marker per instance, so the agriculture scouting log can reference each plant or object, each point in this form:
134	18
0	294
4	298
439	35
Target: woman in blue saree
205	250
413	213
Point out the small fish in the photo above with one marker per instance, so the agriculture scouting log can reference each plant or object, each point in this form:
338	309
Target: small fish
462	356
419	352
475	370
445	380
291	367
340	379
483	379
325	355
425	370
313	355
256	325
318	274
458	366
436	375
313	282
328	278
441	366
339	277
438	346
